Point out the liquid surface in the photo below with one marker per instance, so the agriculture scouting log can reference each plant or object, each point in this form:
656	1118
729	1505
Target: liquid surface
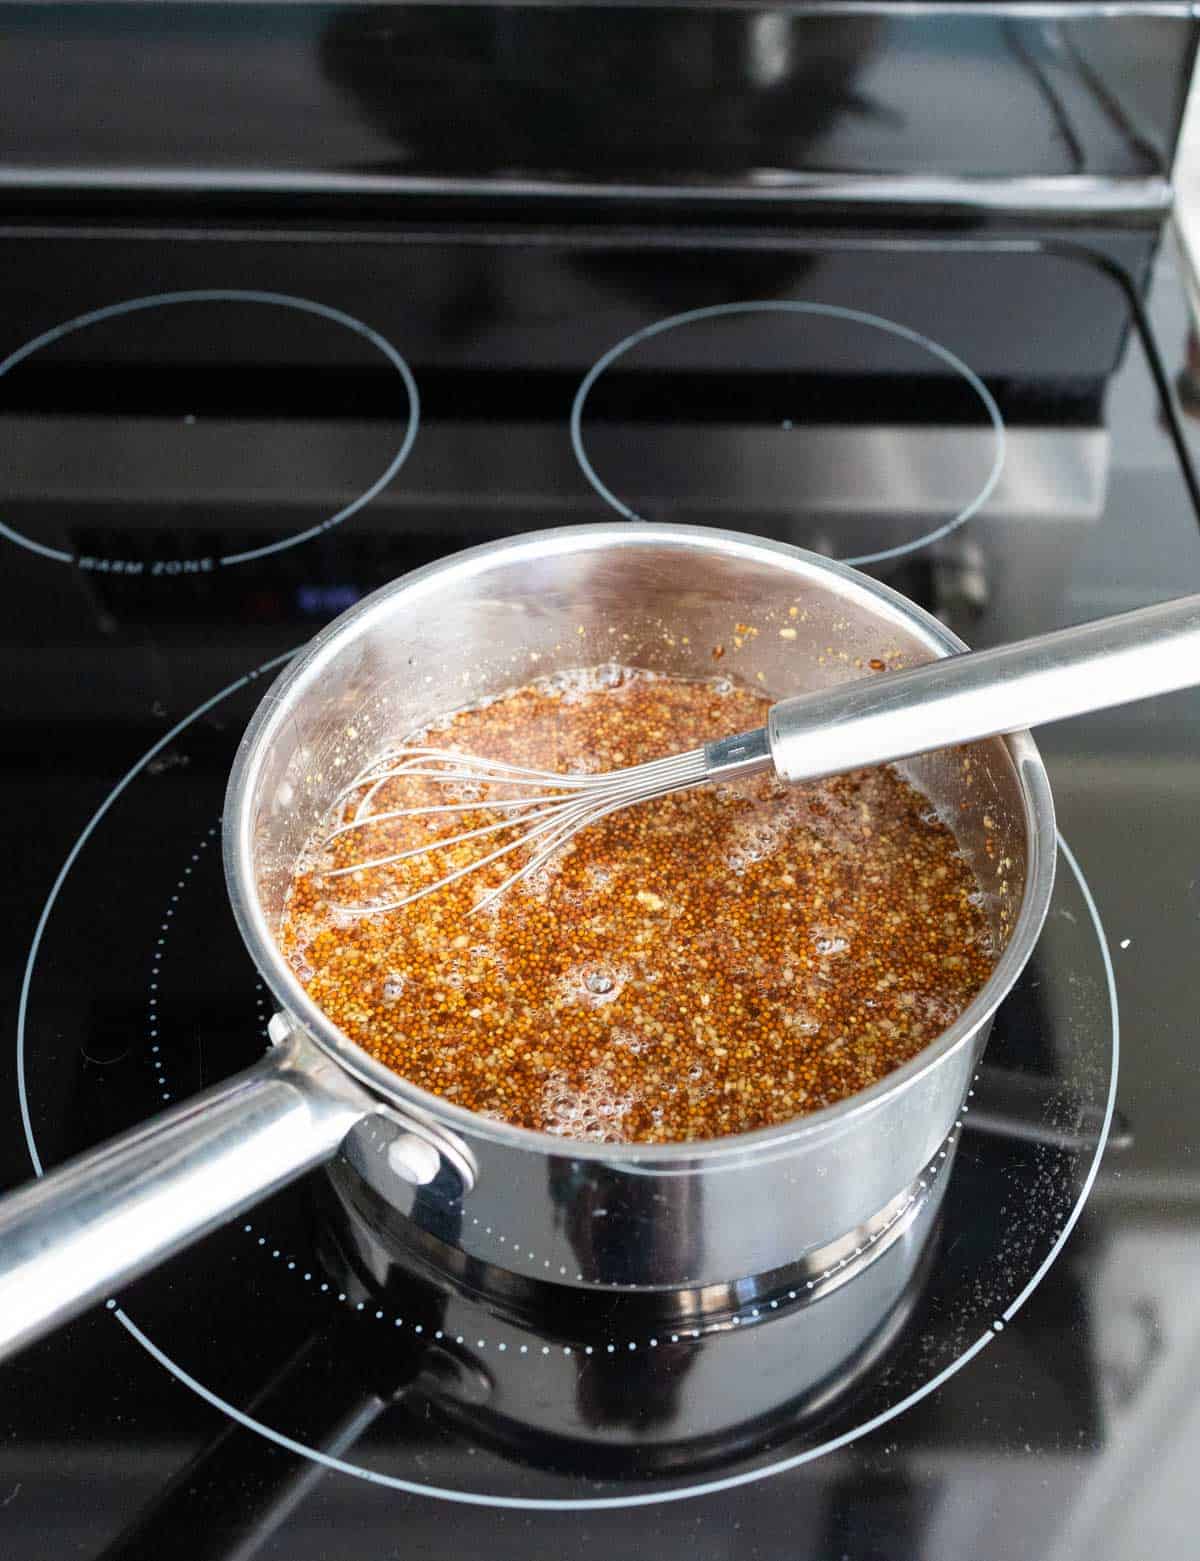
699	965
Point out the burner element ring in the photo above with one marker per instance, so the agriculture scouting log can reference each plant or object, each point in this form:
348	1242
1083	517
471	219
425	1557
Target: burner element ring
237	295
788	306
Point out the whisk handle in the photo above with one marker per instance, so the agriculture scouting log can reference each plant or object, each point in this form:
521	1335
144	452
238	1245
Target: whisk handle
987	693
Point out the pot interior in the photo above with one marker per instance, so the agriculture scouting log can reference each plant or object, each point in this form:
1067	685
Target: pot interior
675	600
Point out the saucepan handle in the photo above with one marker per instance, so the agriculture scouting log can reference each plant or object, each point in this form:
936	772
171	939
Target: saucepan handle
109	1215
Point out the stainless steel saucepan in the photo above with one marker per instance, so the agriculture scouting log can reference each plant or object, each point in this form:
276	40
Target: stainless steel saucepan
475	1191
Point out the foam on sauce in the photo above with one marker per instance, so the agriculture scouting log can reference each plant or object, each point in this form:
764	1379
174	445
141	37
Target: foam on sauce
699	965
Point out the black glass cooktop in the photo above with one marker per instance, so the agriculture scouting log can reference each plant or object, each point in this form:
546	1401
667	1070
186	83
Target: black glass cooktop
212	445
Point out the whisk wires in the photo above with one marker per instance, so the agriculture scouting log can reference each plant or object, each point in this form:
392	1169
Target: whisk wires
540	809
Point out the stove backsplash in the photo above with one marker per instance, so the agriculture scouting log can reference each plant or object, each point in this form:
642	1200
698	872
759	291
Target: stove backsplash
966	108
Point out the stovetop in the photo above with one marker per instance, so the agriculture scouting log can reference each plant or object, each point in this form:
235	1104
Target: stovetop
215	442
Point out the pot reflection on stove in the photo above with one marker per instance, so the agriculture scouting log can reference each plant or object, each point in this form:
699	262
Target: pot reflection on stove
671	1407
647	1399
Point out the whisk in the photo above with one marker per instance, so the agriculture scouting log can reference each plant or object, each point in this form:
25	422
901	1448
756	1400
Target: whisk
870	720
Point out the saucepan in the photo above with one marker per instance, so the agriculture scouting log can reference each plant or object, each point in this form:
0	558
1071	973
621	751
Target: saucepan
481	1195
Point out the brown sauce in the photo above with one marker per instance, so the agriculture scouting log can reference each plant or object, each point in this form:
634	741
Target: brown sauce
703	964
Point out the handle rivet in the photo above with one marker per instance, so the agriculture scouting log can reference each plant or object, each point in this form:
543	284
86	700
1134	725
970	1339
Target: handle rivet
278	1029
413	1160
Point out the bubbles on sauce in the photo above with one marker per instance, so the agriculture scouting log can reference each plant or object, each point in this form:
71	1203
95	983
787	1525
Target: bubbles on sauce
756	839
596	983
592	1112
577	683
393	986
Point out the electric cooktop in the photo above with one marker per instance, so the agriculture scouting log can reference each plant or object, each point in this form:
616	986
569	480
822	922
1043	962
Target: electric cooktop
212	444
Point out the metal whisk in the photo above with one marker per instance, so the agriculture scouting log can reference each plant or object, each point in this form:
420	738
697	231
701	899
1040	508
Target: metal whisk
871	720
547	810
